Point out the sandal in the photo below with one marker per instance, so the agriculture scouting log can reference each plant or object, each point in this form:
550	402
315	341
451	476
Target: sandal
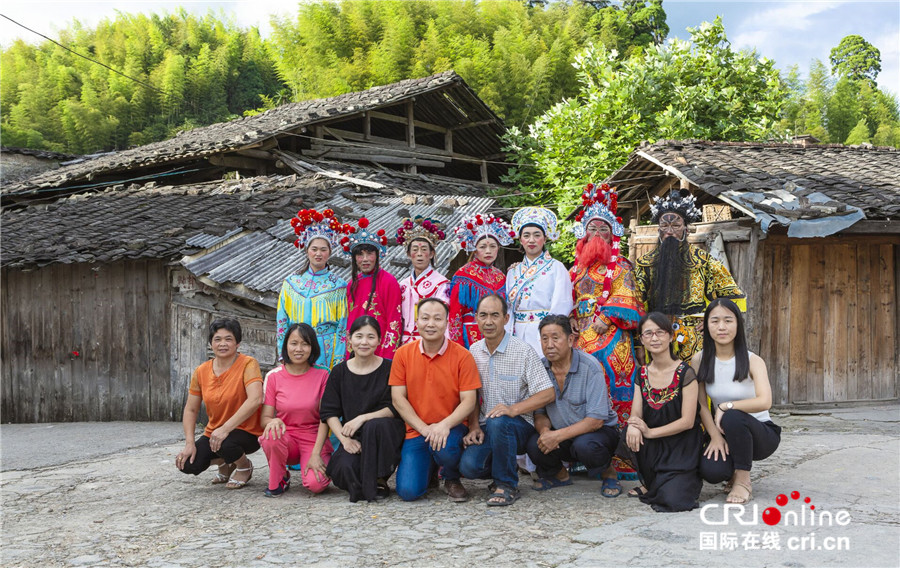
221	477
611	484
503	497
638	492
740	500
546	483
234	483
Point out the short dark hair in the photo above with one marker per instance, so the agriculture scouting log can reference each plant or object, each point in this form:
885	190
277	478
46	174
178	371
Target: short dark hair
307	334
363	321
556	319
424	301
503	303
228	324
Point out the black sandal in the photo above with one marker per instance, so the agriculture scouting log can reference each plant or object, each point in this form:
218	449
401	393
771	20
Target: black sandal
507	494
638	491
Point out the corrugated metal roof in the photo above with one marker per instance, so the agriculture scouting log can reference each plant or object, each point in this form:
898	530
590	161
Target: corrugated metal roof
261	260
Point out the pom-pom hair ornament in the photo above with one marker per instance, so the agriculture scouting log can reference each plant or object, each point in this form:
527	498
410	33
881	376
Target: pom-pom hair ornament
310	224
598	202
679	202
361	235
420	228
538	216
475	227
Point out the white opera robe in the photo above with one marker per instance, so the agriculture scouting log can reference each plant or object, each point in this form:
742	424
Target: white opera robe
537	288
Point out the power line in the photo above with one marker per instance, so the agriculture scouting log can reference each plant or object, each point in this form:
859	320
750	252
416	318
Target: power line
138	81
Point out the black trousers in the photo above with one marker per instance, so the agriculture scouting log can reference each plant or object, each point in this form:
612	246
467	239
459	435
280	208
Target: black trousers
748	440
594	449
238	443
381	440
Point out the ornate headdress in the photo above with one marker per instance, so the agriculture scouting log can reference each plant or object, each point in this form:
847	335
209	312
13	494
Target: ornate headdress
421	228
679	202
599	202
543	218
310	224
476	227
361	235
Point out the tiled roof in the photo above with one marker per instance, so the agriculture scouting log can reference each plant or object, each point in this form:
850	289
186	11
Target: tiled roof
167	222
250	131
783	183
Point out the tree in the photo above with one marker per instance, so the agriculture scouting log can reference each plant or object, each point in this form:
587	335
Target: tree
859	134
856	59
700	88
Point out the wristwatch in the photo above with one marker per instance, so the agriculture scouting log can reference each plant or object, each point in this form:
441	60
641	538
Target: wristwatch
728	406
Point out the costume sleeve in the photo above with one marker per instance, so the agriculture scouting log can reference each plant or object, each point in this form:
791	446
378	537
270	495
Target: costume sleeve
392	305
281	322
720	284
623	308
562	302
340	347
642	285
455	323
331	398
443	291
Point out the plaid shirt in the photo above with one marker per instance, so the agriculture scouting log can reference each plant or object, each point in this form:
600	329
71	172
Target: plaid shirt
511	374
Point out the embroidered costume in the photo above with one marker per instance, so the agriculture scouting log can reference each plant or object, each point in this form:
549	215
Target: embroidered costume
475	279
429	284
376	294
607	293
316	298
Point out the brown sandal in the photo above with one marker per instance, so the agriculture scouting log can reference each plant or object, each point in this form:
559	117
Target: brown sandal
740	500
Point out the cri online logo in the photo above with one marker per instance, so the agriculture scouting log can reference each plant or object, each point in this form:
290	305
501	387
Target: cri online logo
808	516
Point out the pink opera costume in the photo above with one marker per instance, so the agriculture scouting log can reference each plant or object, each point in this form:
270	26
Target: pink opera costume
539	285
316	297
424	281
375	293
475	279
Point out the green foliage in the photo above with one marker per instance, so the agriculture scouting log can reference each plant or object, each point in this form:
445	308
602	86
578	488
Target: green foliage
516	56
200	71
856	59
700	88
859	134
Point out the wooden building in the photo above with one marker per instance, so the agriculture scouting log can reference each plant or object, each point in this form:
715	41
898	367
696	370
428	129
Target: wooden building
113	268
812	235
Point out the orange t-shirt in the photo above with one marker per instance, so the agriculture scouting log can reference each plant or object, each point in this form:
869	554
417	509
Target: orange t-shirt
433	384
224	394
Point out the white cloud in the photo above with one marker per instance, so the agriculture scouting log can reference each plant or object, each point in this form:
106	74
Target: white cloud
888	43
785	18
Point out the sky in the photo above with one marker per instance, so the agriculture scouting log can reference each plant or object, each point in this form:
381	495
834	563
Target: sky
791	33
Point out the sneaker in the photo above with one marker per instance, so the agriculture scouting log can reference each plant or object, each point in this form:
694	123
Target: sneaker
283	486
455	490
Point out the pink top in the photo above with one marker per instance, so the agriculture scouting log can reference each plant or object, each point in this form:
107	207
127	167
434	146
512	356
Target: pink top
296	398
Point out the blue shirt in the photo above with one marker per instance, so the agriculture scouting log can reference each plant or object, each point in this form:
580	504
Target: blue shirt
584	394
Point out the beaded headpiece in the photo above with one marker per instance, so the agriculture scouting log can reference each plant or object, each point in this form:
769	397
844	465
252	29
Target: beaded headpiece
361	235
679	202
599	202
543	218
310	224
420	228
476	227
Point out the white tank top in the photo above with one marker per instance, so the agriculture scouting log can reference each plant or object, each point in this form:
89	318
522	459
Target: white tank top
725	389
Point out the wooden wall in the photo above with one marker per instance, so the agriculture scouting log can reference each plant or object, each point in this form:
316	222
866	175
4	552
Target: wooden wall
829	309
114	315
821	312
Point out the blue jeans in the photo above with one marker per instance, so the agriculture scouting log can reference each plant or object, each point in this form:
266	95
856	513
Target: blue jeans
495	458
417	460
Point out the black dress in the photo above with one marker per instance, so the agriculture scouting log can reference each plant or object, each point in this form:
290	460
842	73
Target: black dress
347	395
669	467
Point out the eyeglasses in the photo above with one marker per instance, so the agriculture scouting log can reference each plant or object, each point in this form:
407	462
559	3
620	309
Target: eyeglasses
651	334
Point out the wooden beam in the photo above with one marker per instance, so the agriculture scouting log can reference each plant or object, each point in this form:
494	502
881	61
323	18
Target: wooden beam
867	227
473	124
448	141
260	154
484	172
367	126
303	168
328	147
238	162
402	120
384	159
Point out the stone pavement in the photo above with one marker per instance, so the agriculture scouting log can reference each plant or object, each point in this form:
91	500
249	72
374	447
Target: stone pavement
107	494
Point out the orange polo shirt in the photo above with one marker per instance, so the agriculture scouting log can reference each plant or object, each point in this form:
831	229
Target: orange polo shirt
433	383
224	394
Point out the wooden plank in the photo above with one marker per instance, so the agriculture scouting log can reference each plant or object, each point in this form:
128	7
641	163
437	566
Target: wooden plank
380	158
328	147
379	142
448	142
780	318
799	259
886	311
158	309
84	304
135	371
847	386
865	320
403	120
835	343
818	316
367	126
70	331
870	227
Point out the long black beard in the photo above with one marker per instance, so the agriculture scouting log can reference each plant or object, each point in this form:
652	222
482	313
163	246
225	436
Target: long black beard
668	289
